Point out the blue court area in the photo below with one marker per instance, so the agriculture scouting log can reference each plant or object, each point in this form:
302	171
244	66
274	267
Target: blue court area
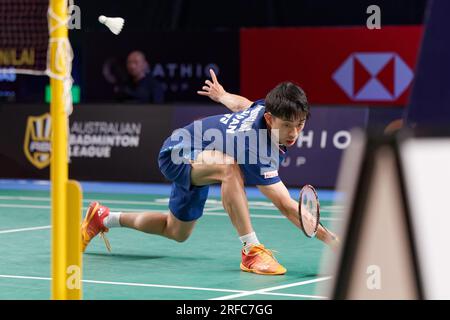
143	266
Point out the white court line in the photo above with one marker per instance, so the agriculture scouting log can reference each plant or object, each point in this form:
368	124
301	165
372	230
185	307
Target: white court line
158	201
213	209
23	206
24	229
144	203
24	198
256	205
266	290
292	295
86	200
206	212
169	287
264	216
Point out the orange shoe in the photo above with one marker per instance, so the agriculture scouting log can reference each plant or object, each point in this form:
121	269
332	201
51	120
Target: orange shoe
261	261
93	225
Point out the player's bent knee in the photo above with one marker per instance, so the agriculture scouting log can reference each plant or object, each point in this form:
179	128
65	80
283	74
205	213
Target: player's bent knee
221	172
178	230
232	171
181	237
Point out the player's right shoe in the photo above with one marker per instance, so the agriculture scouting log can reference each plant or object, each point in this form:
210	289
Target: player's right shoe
261	261
93	225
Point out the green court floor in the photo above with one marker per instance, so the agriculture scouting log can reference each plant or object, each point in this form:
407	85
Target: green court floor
143	266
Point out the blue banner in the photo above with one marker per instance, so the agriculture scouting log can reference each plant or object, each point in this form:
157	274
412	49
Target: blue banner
316	156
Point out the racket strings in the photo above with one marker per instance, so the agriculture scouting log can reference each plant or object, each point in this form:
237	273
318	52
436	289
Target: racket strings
309	211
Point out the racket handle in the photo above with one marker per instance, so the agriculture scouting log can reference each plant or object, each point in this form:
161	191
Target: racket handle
335	242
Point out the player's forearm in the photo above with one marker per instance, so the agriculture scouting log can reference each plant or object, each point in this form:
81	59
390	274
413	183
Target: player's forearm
292	213
290	210
324	236
235	102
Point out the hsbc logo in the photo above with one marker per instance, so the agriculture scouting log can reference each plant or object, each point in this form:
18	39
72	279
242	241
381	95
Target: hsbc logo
367	76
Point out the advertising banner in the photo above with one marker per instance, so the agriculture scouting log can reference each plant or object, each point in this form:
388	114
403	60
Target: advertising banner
107	142
339	65
316	156
122	142
179	60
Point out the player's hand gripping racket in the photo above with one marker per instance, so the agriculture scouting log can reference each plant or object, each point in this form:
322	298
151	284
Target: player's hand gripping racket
309	213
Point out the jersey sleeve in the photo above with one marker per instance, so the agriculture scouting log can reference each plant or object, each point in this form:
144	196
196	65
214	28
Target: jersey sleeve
258	102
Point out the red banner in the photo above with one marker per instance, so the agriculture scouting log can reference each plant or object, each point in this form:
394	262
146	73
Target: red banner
345	65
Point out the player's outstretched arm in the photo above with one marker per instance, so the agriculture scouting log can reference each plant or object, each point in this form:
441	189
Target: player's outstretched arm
280	197
214	90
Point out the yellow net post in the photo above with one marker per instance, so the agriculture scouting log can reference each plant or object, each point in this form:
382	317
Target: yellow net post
66	195
74	256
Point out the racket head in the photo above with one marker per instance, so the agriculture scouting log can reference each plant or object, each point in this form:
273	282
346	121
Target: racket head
309	210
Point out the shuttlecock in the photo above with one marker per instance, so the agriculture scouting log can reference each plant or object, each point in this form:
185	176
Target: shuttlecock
114	24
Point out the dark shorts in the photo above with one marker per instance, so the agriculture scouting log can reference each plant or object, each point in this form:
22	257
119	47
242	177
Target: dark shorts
186	201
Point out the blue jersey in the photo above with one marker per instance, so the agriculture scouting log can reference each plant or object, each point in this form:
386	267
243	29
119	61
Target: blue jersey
242	135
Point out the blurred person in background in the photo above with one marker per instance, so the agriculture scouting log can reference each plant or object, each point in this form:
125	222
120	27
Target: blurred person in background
140	86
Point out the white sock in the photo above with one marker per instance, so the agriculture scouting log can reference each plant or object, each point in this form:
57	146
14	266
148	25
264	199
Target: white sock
113	220
249	240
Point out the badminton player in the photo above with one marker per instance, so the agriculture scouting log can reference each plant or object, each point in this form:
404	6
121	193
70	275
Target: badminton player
281	116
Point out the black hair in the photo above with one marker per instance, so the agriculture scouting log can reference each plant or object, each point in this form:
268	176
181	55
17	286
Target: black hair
287	101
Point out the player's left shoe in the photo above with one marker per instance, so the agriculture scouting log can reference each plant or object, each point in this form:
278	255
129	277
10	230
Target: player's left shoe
260	260
93	225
